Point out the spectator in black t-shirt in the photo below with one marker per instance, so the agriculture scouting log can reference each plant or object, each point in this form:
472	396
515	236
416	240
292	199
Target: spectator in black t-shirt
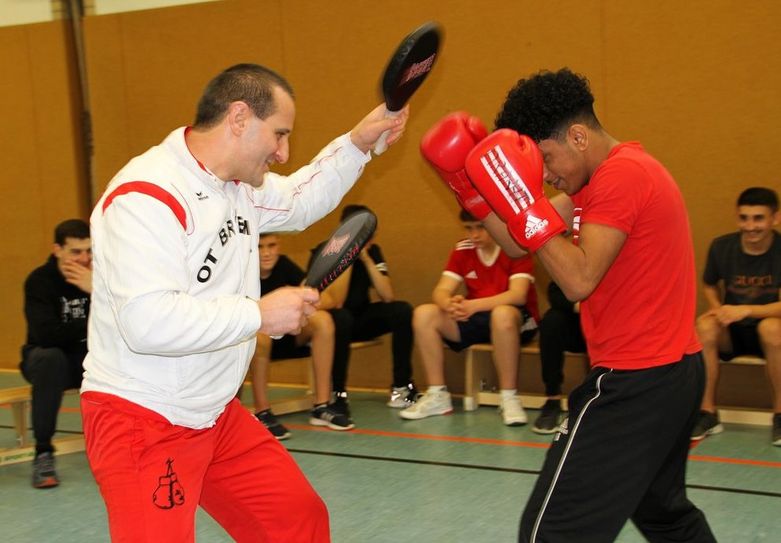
358	318
56	306
316	338
742	285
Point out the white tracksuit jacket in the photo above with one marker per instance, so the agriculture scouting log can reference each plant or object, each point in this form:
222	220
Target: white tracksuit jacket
176	274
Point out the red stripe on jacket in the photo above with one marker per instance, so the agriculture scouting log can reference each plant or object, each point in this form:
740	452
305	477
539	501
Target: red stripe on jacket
150	189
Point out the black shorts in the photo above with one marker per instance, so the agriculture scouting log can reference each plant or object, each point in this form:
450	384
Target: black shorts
477	329
285	347
745	341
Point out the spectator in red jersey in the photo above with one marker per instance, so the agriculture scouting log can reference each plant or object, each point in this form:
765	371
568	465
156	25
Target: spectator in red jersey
500	307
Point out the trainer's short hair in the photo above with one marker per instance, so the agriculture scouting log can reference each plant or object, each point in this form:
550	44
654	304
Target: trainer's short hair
72	228
249	83
759	196
547	103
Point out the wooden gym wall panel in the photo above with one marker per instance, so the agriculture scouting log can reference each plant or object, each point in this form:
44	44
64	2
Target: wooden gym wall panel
147	69
42	178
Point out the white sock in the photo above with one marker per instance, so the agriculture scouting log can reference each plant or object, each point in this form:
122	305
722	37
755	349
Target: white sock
508	393
437	388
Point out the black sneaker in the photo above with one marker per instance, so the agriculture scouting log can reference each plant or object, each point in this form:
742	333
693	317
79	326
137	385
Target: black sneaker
707	424
777	429
270	421
341	404
44	474
548	420
327	415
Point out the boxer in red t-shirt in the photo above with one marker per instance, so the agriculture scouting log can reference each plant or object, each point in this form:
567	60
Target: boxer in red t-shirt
621	454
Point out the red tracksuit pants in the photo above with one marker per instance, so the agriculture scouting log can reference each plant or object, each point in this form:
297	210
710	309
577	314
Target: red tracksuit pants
153	474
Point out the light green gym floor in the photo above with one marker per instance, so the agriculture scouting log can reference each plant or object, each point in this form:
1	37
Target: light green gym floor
459	478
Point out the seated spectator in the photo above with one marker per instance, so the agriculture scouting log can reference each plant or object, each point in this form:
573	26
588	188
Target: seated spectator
362	319
56	306
742	281
559	331
500	307
316	338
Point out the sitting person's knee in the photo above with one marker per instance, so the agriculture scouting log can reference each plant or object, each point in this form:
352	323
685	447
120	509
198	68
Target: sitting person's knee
425	315
46	366
402	310
46	359
554	321
769	331
322	322
708	328
342	318
505	318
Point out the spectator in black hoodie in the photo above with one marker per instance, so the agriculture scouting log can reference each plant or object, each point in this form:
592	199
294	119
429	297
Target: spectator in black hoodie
56	306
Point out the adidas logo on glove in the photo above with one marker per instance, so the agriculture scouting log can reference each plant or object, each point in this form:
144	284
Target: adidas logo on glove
534	225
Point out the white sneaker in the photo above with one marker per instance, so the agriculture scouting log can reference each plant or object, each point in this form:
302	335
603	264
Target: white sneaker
428	405
512	412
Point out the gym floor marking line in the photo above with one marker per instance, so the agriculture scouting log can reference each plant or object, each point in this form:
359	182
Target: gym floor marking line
525	444
430	437
509	470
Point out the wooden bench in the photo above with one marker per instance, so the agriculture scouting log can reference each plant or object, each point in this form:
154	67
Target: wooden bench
743	374
474	395
304	402
746	360
19	398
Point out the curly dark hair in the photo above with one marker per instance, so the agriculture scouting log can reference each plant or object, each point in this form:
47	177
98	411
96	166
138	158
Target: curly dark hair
545	104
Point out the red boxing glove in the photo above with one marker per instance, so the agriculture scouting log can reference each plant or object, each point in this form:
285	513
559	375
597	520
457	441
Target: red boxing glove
445	146
506	169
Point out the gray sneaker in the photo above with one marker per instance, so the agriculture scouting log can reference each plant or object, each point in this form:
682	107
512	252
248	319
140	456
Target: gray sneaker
402	397
777	429
707	424
428	405
44	474
327	415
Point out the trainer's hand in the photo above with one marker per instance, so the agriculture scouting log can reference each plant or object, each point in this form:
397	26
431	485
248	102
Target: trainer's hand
286	310
366	133
78	275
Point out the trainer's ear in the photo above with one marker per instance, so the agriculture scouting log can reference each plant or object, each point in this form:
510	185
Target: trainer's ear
237	116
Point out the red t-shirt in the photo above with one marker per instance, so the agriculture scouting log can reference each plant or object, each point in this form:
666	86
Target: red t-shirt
489	277
642	312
